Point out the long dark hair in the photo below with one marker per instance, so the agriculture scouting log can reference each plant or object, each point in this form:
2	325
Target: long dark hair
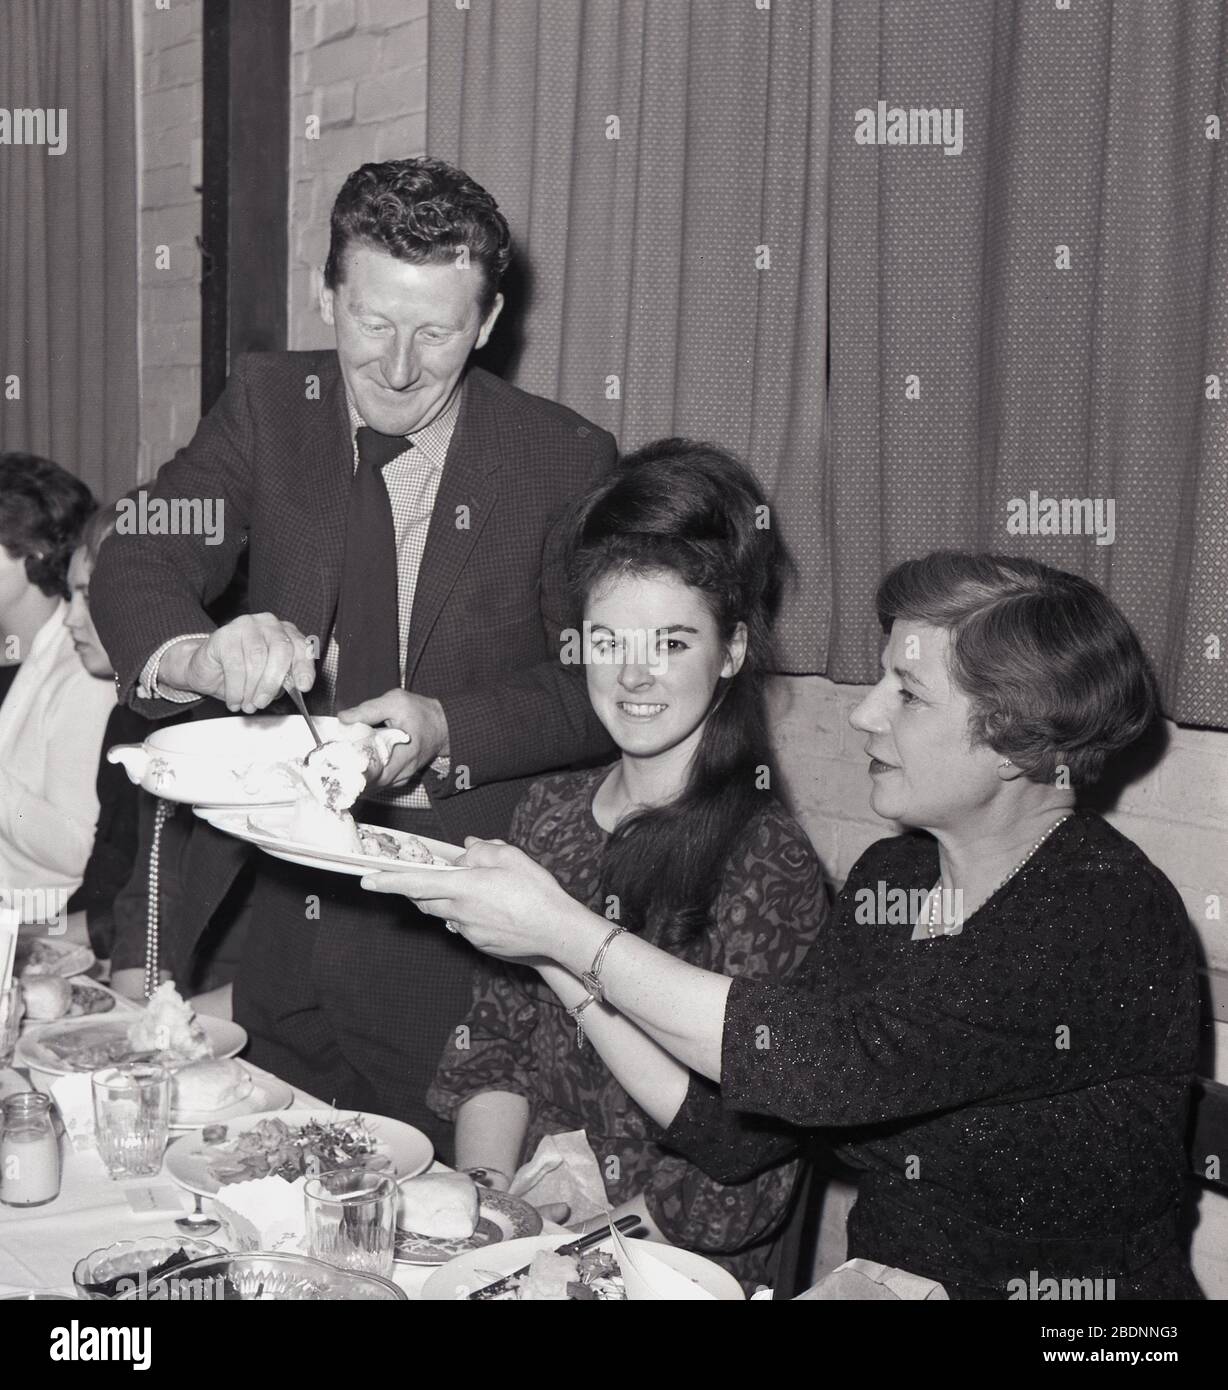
693	511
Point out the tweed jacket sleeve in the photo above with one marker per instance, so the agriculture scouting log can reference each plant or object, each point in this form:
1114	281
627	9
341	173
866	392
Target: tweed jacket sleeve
148	588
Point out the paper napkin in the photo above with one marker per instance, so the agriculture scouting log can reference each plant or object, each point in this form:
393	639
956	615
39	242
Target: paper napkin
647	1279
564	1169
264	1213
865	1281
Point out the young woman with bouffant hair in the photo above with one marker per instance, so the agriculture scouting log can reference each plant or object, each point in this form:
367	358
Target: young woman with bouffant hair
682	842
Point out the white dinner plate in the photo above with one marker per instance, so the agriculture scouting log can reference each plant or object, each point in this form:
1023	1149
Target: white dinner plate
34	1050
89	1000
268	1094
188	1158
54	957
461	1276
266	828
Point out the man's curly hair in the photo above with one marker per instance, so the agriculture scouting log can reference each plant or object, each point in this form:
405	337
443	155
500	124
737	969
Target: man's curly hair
422	211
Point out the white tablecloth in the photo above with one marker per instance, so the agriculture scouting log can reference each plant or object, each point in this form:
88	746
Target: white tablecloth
39	1246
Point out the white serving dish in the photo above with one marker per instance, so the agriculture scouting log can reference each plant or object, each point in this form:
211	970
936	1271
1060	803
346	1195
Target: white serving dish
235	761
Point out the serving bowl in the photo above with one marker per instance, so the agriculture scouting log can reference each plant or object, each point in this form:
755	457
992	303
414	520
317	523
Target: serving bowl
263	1276
131	1260
239	760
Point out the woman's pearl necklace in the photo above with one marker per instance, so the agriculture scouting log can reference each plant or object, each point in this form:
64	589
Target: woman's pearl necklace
935	903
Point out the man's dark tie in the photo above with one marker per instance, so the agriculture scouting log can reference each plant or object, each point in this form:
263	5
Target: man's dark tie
366	630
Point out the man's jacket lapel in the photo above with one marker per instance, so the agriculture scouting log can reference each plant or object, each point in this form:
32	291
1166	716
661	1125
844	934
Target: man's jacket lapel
326	465
463	505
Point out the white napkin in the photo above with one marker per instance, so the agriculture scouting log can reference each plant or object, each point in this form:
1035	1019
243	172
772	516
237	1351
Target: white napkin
564	1169
264	1213
647	1279
866	1281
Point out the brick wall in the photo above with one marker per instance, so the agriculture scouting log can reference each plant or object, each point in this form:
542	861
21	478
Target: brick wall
168	113
358	93
359	68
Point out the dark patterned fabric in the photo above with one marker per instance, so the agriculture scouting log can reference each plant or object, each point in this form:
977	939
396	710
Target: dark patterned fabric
346	995
1014	1094
770	908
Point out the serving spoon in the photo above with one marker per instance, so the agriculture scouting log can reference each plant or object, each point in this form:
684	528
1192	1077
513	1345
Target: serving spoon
300	704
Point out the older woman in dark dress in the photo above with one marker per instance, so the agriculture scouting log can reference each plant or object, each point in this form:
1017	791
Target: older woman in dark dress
1008	1061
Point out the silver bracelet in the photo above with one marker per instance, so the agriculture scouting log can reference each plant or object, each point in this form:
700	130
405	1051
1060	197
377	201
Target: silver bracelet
575	1013
591	980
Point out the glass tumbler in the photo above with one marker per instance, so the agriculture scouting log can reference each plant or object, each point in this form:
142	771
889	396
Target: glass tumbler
132	1107
351	1220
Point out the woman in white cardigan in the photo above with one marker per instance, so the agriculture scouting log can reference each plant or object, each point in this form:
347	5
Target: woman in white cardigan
54	711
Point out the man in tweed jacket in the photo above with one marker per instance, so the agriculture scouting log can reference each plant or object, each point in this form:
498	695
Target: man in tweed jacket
342	995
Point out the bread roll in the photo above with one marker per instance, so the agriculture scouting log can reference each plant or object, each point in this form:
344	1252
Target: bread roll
47	997
440	1205
212	1085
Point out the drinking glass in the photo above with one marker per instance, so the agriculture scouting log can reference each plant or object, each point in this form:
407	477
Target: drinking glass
132	1108
12	1007
351	1219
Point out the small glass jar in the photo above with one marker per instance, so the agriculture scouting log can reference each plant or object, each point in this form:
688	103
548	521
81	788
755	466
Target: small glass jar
29	1151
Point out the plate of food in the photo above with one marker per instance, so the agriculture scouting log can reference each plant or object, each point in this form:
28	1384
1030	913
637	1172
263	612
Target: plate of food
166	1031
442	1215
51	997
312	835
245	760
317	828
219	1089
43	955
293	1144
591	1277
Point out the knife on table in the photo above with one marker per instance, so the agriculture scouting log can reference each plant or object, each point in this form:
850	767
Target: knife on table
624	1225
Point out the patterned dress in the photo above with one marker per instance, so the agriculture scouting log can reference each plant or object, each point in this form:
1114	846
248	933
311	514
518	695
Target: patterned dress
770	908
